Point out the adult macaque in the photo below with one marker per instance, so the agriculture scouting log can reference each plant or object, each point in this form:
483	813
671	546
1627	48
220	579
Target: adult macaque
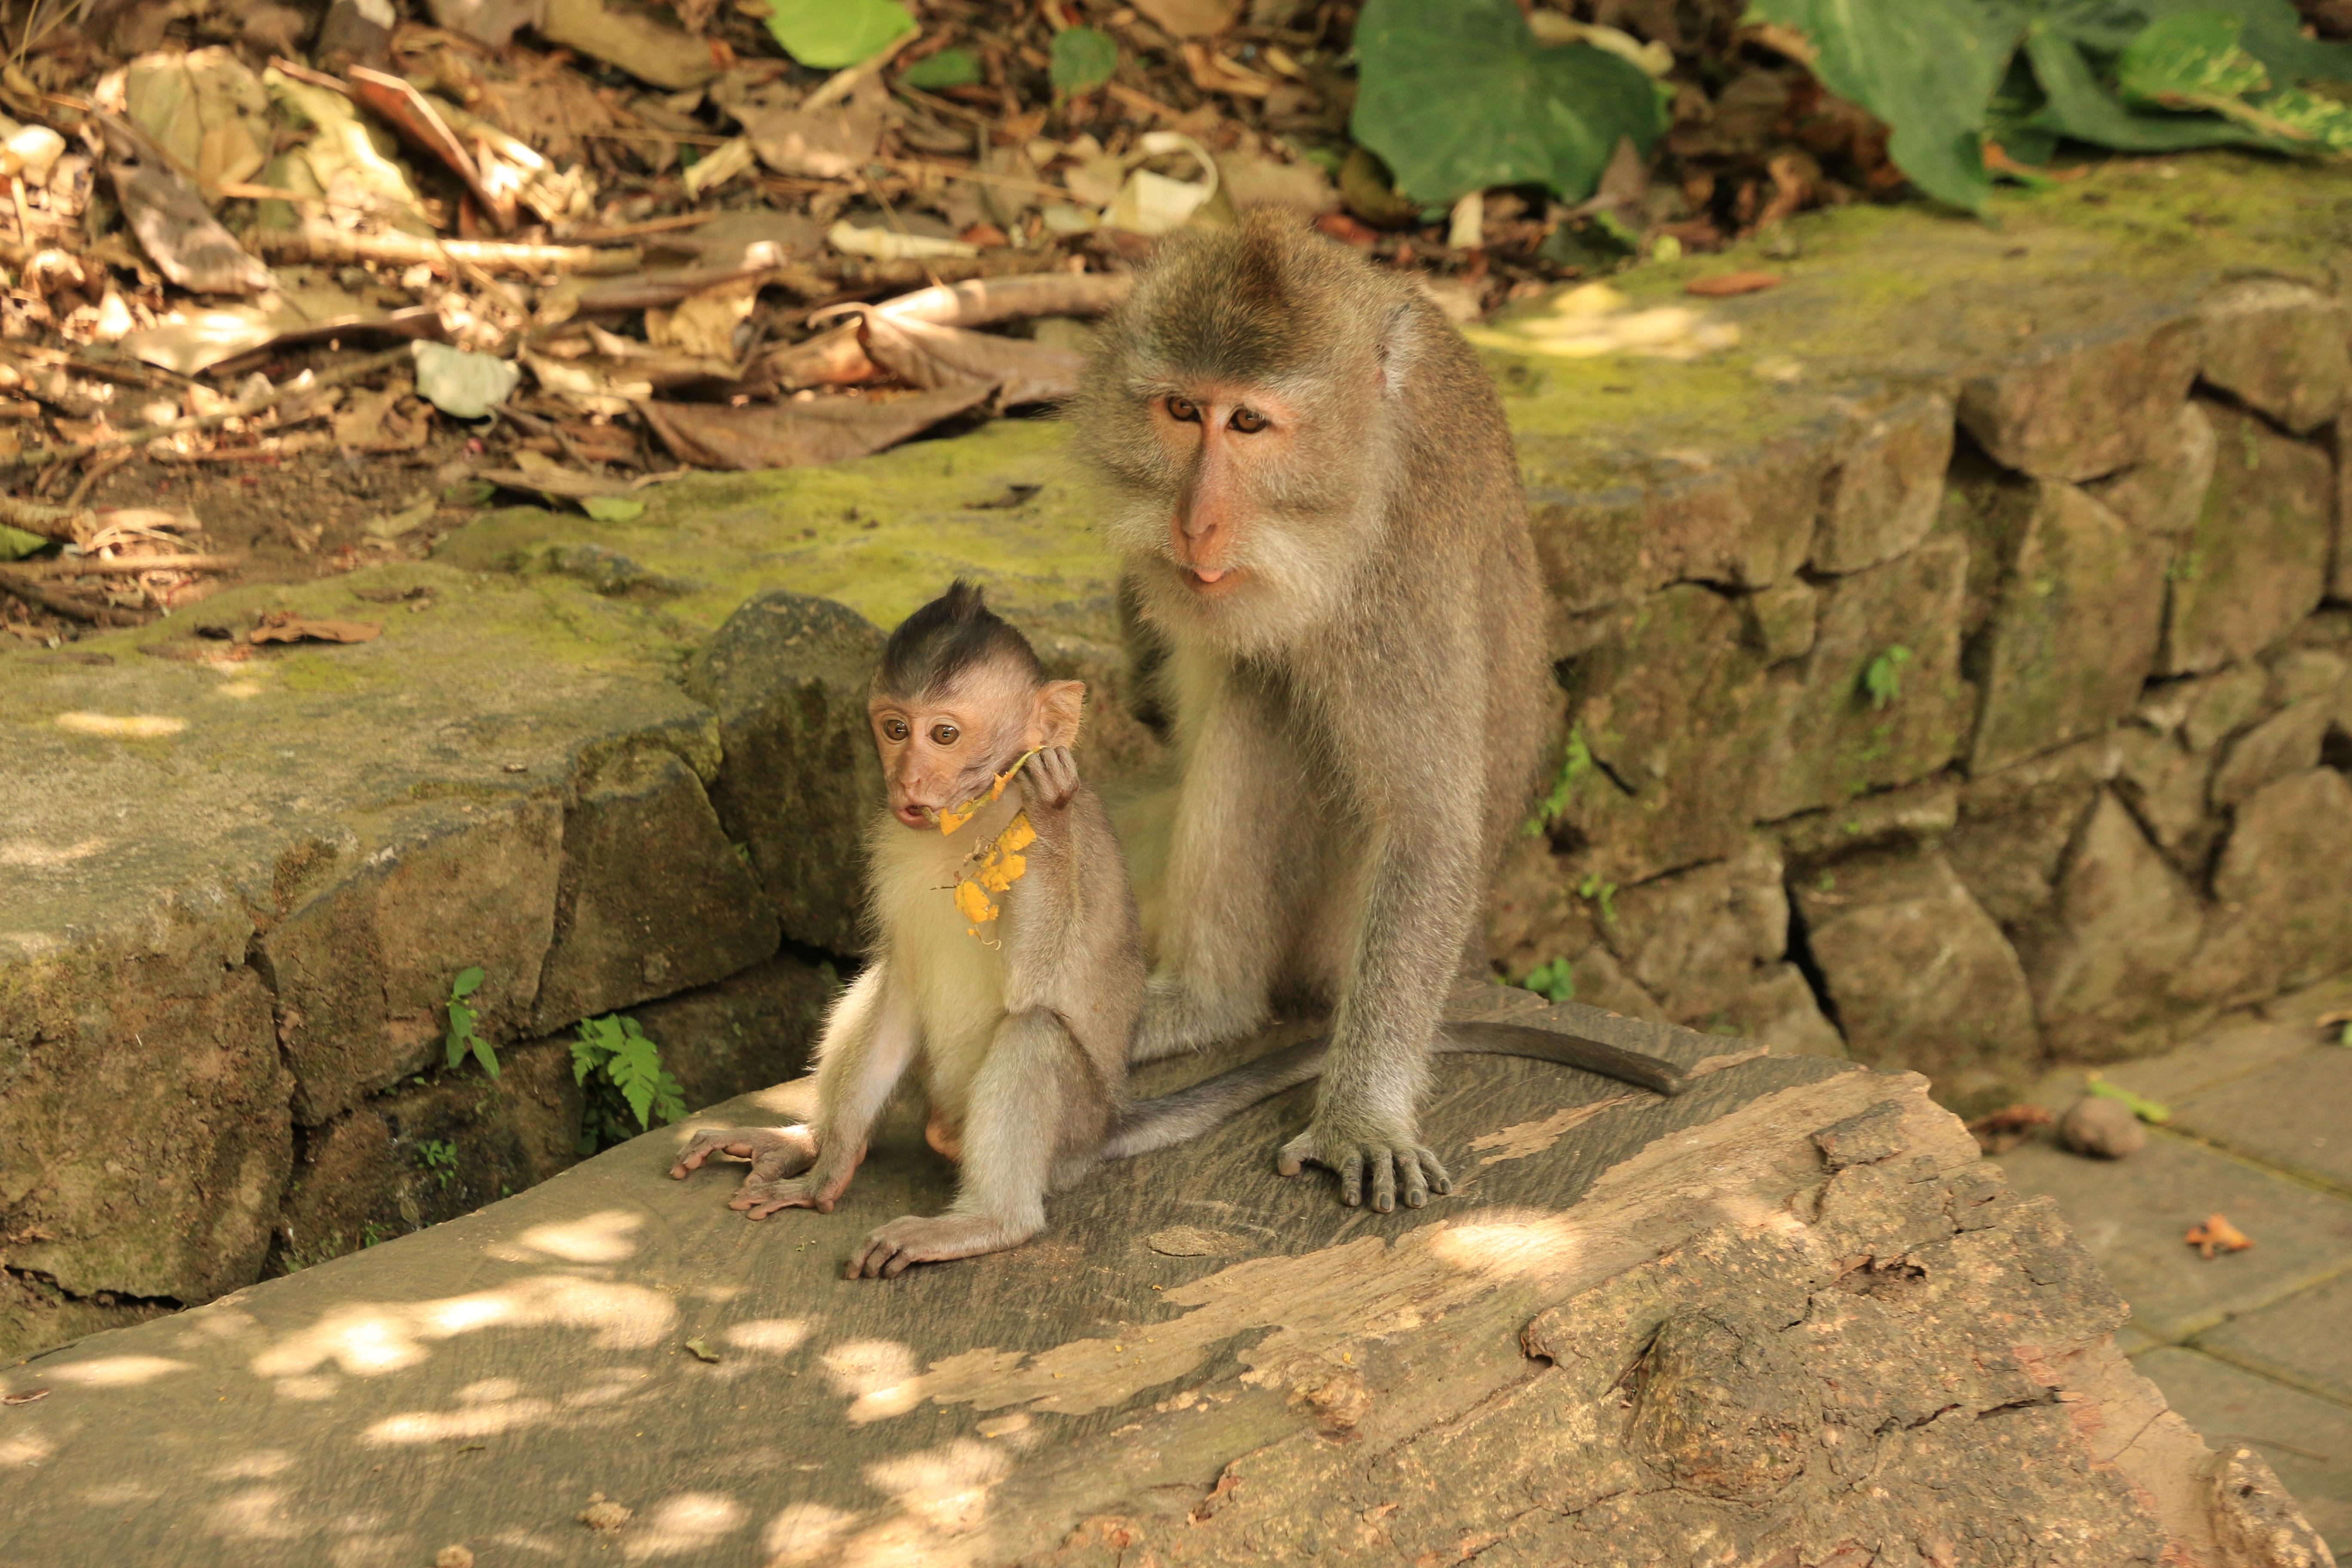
1319	510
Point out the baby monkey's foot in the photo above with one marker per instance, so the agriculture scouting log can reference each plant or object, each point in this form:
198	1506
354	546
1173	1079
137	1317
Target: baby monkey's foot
915	1239
774	1152
758	1198
1387	1157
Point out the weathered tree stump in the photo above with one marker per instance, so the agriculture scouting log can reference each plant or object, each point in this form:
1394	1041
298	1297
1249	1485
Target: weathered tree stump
1789	1318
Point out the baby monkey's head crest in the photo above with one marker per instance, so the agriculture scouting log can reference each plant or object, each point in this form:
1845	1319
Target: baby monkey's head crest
958	701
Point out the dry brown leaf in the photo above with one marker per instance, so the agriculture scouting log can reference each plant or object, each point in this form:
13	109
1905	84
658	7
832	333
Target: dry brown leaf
1192	18
796	434
637	44
834	357
704	325
24	1397
2007	1128
979	302
2218	1234
1726	283
833	143
280	626
179	233
923	354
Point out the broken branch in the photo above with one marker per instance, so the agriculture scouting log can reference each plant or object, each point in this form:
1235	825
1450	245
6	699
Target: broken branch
335	248
74	606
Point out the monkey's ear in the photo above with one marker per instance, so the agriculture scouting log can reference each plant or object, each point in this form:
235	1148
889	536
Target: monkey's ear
1396	349
1055	722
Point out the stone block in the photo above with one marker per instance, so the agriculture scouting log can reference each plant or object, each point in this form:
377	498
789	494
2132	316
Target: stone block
2280	348
1776	1009
1917	974
653	897
2339	564
430	1151
2300	1341
34	1314
2286	742
2290	1115
1837	738
2123	925
1589	544
1745	523
1678	716
799	783
2281	879
2309	1439
2073	633
749	1031
2256	561
2164	782
1883	495
143	1131
2014	826
2077	410
2209	710
1533	916
361	969
2164	491
1910	812
1780	620
1694	939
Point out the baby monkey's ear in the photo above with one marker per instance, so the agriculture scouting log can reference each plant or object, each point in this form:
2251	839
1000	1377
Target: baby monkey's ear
1055	721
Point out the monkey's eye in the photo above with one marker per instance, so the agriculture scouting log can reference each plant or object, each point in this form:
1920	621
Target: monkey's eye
1183	410
895	728
1248	421
944	734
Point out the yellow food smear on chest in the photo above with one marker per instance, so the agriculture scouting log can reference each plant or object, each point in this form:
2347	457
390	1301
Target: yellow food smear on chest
993	870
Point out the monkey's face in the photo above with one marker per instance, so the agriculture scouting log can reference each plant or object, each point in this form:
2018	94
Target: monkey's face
944	747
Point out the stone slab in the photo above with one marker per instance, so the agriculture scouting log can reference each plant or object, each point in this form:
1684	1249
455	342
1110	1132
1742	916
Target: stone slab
2296	1115
2131	1213
2308	1441
2300	1340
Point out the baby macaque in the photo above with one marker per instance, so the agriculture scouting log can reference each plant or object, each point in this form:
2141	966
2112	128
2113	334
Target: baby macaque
1007	960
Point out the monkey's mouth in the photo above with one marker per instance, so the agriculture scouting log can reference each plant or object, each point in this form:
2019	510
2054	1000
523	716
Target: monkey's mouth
1210	579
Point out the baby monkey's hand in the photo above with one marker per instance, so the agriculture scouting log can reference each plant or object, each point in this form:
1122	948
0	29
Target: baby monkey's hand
1050	779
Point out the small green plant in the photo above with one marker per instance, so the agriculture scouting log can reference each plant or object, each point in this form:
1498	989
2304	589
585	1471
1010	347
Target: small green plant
461	1037
620	1066
1574	764
438	1156
370	1233
1554	979
1882	679
1083	57
1593	890
2139	1105
948	67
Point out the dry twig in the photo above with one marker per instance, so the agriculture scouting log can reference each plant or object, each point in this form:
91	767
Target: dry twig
36	456
337	247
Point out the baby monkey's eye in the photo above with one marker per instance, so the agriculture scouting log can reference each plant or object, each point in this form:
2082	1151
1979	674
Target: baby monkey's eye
895	728
1184	410
1248	421
944	734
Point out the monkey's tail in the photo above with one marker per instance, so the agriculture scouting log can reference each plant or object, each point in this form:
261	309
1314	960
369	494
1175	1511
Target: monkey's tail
1168	1119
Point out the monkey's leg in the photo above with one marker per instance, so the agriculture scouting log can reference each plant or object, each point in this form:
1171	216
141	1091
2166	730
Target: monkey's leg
1023	1099
867	1044
1366	1121
1243	810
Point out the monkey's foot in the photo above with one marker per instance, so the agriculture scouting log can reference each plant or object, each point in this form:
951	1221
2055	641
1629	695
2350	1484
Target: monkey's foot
915	1239
1353	1153
758	1198
774	1152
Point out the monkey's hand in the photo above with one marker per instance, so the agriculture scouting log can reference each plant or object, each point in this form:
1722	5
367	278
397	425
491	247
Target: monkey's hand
1050	779
774	1152
1351	1150
758	1197
915	1239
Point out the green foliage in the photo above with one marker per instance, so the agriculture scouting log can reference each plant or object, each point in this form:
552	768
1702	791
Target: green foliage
461	1037
1593	889
1574	764
15	544
620	1066
438	1156
1457	96
1083	57
2145	1108
948	67
831	34
1882	677
1554	979
613	508
370	1233
2144	76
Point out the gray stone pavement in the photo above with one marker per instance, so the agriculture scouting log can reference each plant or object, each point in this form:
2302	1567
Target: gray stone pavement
2254	1346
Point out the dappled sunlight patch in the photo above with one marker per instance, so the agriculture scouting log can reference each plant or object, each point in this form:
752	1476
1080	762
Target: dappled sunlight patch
801	1534
946	1487
117	1370
1511	1244
122	726
690	1522
258	1466
878	1375
307	1389
366	1340
768	1336
26	1448
33	853
470	1421
120	1494
256	1514
601	1237
618	1383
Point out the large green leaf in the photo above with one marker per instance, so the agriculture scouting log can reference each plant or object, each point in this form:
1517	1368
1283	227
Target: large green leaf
2270	30
831	34
2190	60
2079	105
1457	96
1927	68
